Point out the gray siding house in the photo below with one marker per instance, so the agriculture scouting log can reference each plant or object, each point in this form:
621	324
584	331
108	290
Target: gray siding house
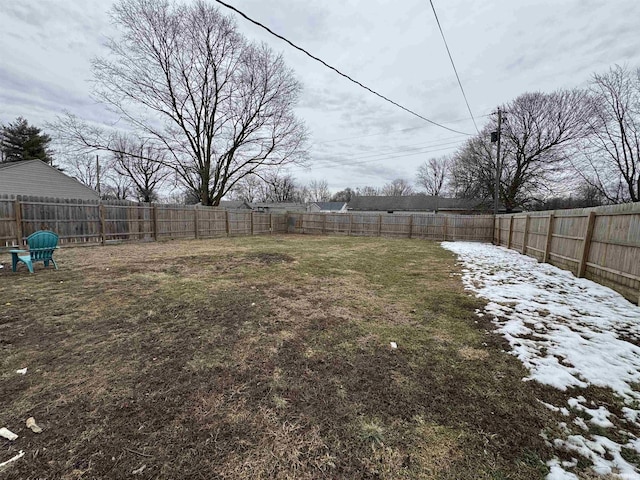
36	178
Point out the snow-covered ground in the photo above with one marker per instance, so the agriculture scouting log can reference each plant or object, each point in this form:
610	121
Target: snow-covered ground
570	333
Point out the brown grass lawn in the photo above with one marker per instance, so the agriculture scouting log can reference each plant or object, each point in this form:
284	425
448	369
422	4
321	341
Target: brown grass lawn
263	357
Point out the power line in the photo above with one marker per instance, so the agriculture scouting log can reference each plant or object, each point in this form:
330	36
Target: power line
327	163
255	22
353	164
387	132
415	148
453	65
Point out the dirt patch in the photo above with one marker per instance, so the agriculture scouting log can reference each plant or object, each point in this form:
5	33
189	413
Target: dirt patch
269	258
470	353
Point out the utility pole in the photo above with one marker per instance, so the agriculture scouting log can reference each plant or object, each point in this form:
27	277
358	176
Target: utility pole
495	137
98	175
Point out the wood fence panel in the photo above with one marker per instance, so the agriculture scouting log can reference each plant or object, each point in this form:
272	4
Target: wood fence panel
470	227
313	223
239	222
395	225
338	223
517	232
365	224
8	227
175	221
567	241
428	227
279	222
537	236
212	222
261	223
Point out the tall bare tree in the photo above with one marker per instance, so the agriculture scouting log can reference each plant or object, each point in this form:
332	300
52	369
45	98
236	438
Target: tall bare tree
319	191
538	136
611	161
433	175
182	75
397	188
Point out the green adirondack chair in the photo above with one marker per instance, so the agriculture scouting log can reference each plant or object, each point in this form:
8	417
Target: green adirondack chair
41	247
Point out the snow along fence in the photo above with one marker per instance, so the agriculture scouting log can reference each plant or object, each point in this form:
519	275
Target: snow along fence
600	243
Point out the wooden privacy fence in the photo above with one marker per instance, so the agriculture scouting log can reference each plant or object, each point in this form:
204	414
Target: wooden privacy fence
602	243
92	222
425	226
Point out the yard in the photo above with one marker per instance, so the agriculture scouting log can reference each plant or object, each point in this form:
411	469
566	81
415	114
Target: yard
264	357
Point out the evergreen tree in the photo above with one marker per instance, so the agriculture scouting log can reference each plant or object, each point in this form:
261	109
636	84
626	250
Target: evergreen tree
21	141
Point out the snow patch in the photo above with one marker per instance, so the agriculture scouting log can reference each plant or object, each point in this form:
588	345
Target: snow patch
568	332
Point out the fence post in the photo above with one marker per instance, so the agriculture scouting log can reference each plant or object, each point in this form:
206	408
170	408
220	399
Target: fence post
380	225
510	231
196	226
18	214
410	225
324	223
102	225
547	247
350	223
526	234
586	245
226	222
251	222
444	228
496	229
271	223
154	221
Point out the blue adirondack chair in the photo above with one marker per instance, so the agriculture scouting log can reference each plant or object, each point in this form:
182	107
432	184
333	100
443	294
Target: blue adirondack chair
41	247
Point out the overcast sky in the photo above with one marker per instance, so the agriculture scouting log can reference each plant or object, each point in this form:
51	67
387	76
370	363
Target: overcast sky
502	48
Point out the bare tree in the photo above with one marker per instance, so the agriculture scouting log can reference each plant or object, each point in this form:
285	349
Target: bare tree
281	187
538	136
368	191
319	191
250	189
83	168
143	164
183	75
115	186
611	160
344	195
473	168
433	175
397	188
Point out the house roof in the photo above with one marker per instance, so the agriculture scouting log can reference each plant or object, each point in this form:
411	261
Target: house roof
282	206
36	178
414	203
234	204
331	206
